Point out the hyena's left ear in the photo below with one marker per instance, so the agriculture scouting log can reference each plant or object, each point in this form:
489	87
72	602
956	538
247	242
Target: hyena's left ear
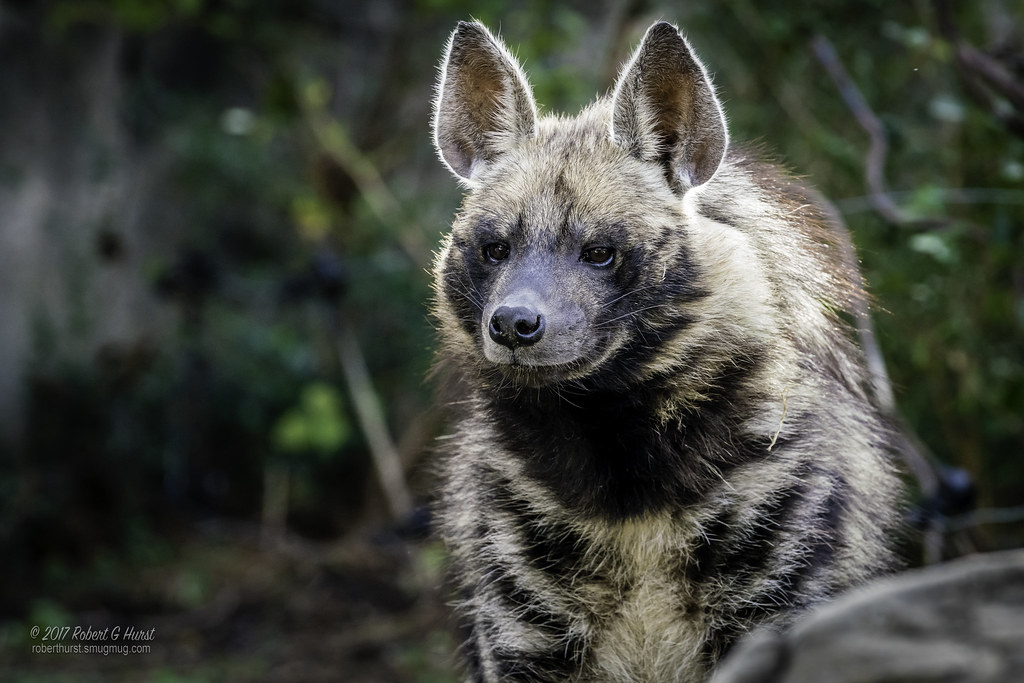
484	104
665	109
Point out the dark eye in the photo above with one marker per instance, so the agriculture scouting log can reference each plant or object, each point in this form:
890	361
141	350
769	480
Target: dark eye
598	256
496	251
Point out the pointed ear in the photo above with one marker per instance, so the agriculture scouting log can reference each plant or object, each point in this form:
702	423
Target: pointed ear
665	109
484	104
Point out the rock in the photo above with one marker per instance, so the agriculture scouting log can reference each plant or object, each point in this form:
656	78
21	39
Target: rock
962	621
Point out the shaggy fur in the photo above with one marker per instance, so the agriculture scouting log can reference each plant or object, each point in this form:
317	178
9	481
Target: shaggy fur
662	431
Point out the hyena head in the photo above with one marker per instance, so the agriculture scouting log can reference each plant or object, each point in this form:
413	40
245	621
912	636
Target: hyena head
565	255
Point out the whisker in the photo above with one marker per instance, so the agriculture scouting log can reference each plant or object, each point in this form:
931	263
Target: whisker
629	293
468	289
605	323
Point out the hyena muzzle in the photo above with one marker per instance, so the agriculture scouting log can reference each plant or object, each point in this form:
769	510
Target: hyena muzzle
663	432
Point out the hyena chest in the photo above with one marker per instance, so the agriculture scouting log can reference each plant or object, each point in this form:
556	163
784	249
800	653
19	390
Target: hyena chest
650	626
577	600
654	635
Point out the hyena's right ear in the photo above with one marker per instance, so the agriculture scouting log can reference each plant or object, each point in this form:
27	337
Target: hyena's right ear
665	110
484	104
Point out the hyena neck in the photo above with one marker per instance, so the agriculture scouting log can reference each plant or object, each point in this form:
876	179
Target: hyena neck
609	455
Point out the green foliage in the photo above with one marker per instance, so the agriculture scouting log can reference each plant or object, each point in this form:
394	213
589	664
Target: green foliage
135	15
317	424
426	662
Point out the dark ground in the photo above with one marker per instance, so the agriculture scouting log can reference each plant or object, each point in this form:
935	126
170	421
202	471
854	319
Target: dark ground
369	609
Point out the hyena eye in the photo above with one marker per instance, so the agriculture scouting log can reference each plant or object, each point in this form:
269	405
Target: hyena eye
598	256
496	251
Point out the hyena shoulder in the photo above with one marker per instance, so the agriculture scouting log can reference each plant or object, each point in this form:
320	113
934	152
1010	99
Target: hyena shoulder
661	436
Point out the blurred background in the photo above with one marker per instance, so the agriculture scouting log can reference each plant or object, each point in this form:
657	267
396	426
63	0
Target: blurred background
216	223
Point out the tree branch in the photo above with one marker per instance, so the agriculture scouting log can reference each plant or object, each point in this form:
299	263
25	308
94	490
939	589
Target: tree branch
386	459
984	77
878	150
874	168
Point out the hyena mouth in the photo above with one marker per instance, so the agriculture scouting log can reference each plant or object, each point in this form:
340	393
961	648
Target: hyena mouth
538	376
522	367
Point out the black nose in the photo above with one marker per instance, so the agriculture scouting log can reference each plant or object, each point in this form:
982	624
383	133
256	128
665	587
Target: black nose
515	326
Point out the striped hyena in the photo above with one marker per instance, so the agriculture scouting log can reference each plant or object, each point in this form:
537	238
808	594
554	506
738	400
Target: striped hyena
663	433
